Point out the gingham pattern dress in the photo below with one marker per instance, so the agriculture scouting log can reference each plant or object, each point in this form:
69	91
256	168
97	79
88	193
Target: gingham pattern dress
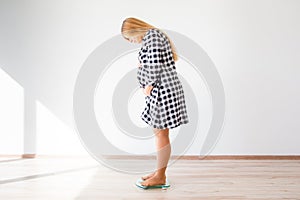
165	107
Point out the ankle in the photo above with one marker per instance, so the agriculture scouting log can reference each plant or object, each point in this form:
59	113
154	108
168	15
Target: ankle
160	175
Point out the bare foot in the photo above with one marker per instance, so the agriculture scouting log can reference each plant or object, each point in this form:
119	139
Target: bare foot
155	180
148	176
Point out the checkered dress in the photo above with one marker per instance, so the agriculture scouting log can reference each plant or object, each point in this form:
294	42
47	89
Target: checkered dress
165	107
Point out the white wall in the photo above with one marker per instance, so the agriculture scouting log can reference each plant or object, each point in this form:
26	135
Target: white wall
255	46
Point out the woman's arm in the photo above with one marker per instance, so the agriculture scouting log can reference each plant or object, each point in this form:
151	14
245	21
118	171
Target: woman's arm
147	90
153	64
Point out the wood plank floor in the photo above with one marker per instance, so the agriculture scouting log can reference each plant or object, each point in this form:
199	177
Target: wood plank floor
84	178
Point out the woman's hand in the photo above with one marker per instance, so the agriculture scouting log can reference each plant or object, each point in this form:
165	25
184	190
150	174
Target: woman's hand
147	90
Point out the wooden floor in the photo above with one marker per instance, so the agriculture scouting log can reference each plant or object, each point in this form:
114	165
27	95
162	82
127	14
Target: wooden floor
84	178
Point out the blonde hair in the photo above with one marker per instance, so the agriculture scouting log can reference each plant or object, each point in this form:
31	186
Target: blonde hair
132	27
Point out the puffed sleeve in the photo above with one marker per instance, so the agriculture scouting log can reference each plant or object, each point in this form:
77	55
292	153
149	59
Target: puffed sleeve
153	57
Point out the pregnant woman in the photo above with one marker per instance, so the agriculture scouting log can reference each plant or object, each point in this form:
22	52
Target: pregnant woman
164	97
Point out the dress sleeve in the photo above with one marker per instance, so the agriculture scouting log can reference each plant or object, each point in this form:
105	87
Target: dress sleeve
153	60
140	76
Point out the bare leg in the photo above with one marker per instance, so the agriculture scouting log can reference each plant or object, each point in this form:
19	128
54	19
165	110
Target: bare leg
163	155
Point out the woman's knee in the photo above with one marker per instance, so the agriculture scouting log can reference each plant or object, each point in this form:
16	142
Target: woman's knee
161	132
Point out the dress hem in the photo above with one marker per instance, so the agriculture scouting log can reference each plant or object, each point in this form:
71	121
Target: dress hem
169	127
